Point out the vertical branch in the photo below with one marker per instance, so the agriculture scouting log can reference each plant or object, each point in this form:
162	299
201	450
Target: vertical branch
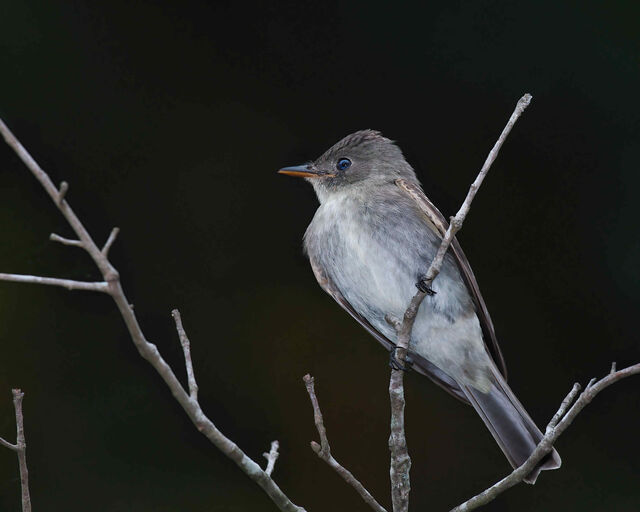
21	449
400	460
21	444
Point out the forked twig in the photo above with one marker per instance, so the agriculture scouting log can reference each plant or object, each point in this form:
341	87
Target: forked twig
323	450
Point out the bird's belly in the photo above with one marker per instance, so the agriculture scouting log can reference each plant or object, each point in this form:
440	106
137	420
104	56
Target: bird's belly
377	276
372	279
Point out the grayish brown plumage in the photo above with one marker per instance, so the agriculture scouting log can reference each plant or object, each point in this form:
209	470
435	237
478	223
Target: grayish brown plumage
368	243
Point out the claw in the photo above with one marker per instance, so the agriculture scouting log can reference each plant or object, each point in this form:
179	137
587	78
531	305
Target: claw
394	364
424	287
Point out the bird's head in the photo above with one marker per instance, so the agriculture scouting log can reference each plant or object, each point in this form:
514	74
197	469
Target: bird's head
363	159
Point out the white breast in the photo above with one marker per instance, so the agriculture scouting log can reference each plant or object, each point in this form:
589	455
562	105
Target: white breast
375	280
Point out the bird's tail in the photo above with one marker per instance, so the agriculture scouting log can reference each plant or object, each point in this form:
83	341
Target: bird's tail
511	426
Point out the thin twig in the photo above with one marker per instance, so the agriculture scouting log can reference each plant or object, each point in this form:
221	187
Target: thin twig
65	241
323	450
400	460
69	284
146	349
564	406
272	457
64	188
109	242
186	349
7	444
553	431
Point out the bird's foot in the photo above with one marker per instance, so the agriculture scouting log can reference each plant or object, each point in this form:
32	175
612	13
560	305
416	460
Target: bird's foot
395	364
424	287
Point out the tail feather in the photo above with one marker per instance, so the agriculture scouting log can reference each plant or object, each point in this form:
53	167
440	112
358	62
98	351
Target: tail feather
511	426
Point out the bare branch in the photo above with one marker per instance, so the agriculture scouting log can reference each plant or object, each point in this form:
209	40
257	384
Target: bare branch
309	383
7	444
400	460
324	450
69	284
65	241
553	431
272	457
186	349
564	406
21	443
112	238
21	449
146	349
57	196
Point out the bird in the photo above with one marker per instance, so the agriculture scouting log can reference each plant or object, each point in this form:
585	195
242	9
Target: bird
369	243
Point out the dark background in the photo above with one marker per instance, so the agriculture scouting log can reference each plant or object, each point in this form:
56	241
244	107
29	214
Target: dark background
170	120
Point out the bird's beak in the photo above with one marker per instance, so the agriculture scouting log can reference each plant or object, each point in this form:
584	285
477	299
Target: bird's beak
305	171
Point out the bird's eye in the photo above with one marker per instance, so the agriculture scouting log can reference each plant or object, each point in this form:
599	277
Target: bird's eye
343	163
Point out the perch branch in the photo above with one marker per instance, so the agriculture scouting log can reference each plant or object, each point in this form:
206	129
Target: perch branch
558	424
271	457
146	349
21	449
400	460
323	450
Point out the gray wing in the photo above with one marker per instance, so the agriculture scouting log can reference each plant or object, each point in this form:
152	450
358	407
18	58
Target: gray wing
436	221
419	363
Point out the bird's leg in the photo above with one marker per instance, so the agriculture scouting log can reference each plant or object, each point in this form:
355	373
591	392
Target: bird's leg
424	287
395	364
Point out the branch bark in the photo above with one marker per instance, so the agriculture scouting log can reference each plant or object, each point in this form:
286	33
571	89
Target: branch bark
147	350
21	449
400	460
